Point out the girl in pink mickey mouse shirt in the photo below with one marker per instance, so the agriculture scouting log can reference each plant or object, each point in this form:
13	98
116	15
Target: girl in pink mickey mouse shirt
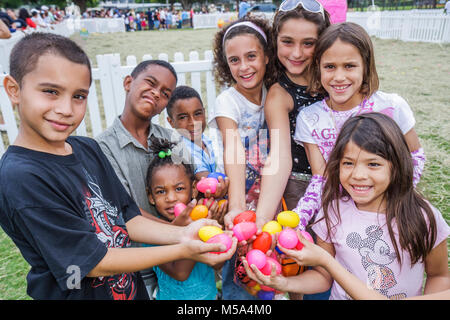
372	222
344	69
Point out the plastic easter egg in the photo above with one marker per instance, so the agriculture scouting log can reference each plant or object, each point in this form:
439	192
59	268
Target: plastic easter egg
199	211
263	242
267	268
256	257
179	207
207	183
272	227
288	219
305	235
290	268
244	230
221	238
248	215
251	290
266	288
222	202
278	250
207	232
265	295
216	175
288	238
252	283
205	202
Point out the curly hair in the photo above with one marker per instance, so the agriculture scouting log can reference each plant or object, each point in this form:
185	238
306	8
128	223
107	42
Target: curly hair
281	17
222	71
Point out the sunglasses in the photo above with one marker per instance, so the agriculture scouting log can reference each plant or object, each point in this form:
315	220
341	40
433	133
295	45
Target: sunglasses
309	5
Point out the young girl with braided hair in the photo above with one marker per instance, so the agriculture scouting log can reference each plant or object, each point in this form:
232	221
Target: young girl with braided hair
170	181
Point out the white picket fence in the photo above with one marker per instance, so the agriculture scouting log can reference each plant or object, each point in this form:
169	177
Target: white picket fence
107	97
407	25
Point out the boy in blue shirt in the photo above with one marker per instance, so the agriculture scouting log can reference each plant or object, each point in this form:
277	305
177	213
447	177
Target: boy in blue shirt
61	201
186	114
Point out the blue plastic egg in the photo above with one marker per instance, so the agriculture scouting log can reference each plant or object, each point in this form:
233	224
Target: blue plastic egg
216	175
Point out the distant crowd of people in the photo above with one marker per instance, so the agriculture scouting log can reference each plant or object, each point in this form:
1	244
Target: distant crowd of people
21	19
152	19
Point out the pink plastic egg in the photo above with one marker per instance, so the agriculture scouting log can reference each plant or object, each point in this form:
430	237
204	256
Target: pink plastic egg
221	238
244	230
307	236
288	238
256	257
267	268
179	207
207	183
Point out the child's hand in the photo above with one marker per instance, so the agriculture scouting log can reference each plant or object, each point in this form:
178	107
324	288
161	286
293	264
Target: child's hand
184	218
199	250
216	211
310	255
229	217
221	189
275	281
228	222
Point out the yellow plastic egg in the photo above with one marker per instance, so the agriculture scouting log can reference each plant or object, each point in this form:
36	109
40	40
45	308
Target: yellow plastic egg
207	232
288	219
272	227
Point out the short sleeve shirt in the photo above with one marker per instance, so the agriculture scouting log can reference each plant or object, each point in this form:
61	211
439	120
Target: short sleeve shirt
130	159
204	160
320	125
250	121
63	213
363	246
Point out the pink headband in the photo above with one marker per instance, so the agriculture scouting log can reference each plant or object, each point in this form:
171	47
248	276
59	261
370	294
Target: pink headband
248	24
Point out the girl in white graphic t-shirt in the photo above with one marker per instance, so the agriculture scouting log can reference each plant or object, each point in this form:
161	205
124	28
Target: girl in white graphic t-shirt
344	70
242	54
373	222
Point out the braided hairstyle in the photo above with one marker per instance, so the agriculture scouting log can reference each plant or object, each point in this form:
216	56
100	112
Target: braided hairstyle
163	156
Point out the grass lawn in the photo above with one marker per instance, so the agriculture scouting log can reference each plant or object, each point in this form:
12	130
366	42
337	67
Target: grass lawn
419	72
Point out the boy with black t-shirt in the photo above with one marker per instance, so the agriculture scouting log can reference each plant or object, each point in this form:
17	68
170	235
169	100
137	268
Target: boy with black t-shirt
61	201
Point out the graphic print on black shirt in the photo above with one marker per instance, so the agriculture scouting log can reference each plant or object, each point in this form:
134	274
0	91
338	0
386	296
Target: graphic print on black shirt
110	229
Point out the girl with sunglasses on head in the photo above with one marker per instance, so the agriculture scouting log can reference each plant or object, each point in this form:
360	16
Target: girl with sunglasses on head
296	28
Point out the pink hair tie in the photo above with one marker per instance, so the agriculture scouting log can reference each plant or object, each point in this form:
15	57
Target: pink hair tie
248	24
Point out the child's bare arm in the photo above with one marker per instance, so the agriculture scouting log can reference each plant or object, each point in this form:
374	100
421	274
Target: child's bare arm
436	268
179	270
234	162
311	281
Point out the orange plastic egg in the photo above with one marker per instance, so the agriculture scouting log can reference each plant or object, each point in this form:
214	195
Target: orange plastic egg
290	268
222	202
200	211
